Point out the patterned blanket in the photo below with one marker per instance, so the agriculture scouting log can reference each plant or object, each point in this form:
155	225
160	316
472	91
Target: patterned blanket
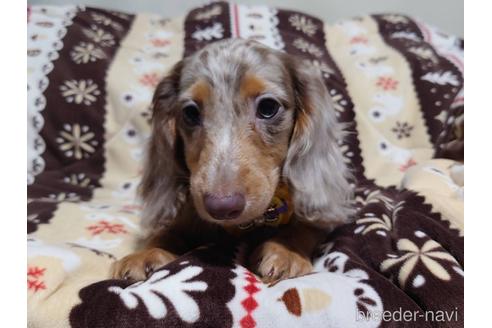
396	81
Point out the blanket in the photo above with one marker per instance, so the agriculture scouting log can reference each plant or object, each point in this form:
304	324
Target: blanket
395	81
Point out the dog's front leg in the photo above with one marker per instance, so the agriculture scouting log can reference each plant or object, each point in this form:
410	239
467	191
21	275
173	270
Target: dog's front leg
286	255
164	246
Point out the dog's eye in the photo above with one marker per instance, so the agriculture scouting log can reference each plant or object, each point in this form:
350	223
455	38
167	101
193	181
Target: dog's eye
267	108
191	115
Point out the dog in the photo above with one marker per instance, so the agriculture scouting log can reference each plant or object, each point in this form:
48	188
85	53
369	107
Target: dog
244	146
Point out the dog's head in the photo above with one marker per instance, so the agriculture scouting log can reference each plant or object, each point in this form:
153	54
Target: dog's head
230	123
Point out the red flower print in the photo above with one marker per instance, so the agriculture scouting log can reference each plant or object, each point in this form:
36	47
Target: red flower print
358	39
34	275
150	80
160	42
104	226
35	285
35	272
387	83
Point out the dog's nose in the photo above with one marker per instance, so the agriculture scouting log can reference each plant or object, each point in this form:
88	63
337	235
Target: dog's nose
224	207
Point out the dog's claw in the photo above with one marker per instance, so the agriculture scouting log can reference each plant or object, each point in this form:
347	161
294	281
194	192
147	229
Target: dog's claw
148	270
126	276
273	262
141	265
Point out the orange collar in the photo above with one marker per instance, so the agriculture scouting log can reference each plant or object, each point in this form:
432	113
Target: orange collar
278	213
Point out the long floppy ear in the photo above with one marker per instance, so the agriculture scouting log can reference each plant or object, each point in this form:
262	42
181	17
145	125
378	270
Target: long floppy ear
164	184
314	166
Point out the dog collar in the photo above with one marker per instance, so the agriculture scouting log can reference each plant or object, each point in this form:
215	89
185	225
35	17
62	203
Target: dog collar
278	213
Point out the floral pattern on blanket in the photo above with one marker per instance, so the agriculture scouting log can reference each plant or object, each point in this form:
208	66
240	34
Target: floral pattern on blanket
397	84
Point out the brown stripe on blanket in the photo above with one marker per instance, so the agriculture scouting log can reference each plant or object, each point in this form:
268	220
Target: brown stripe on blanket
379	80
437	80
304	36
394	232
206	25
45	39
74	113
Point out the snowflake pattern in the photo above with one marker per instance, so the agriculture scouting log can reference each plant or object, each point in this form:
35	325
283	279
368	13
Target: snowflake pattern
441	78
381	225
406	35
34	276
80	92
365	196
424	53
174	287
303	24
33	218
347	153
370	222
339	102
76	141
387	83
106	21
324	69
64	197
402	130
307	47
35	272
99	36
104	226
215	31
80	180
428	254
108	218
84	53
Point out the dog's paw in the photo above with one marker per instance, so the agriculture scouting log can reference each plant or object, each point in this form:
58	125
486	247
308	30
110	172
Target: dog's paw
139	266
273	261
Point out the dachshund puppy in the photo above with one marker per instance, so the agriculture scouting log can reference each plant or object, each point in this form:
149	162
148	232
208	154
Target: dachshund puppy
244	140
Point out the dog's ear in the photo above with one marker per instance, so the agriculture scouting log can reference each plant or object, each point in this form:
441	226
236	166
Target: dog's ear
314	166
163	185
